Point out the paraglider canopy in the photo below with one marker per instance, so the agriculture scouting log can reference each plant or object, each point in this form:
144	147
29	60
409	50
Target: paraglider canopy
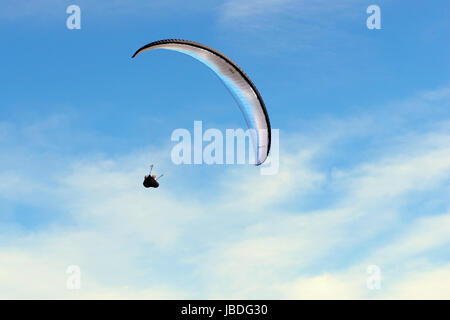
237	82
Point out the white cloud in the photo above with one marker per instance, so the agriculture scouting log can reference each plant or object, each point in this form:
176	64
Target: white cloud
325	286
429	284
24	275
421	236
243	9
267	14
253	9
260	239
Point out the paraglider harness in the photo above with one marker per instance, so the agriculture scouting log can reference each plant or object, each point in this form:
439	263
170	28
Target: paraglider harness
150	181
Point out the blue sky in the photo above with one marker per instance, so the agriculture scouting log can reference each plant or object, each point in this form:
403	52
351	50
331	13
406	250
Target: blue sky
364	119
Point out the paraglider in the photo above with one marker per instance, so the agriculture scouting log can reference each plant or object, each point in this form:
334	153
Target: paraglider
237	82
151	181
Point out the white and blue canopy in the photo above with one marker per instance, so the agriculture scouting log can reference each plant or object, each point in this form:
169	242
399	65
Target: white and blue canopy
238	83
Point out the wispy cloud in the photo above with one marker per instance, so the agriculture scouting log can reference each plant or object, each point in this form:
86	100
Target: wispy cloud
259	13
244	9
309	232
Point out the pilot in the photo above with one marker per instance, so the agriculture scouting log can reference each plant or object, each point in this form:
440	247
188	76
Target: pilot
151	181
